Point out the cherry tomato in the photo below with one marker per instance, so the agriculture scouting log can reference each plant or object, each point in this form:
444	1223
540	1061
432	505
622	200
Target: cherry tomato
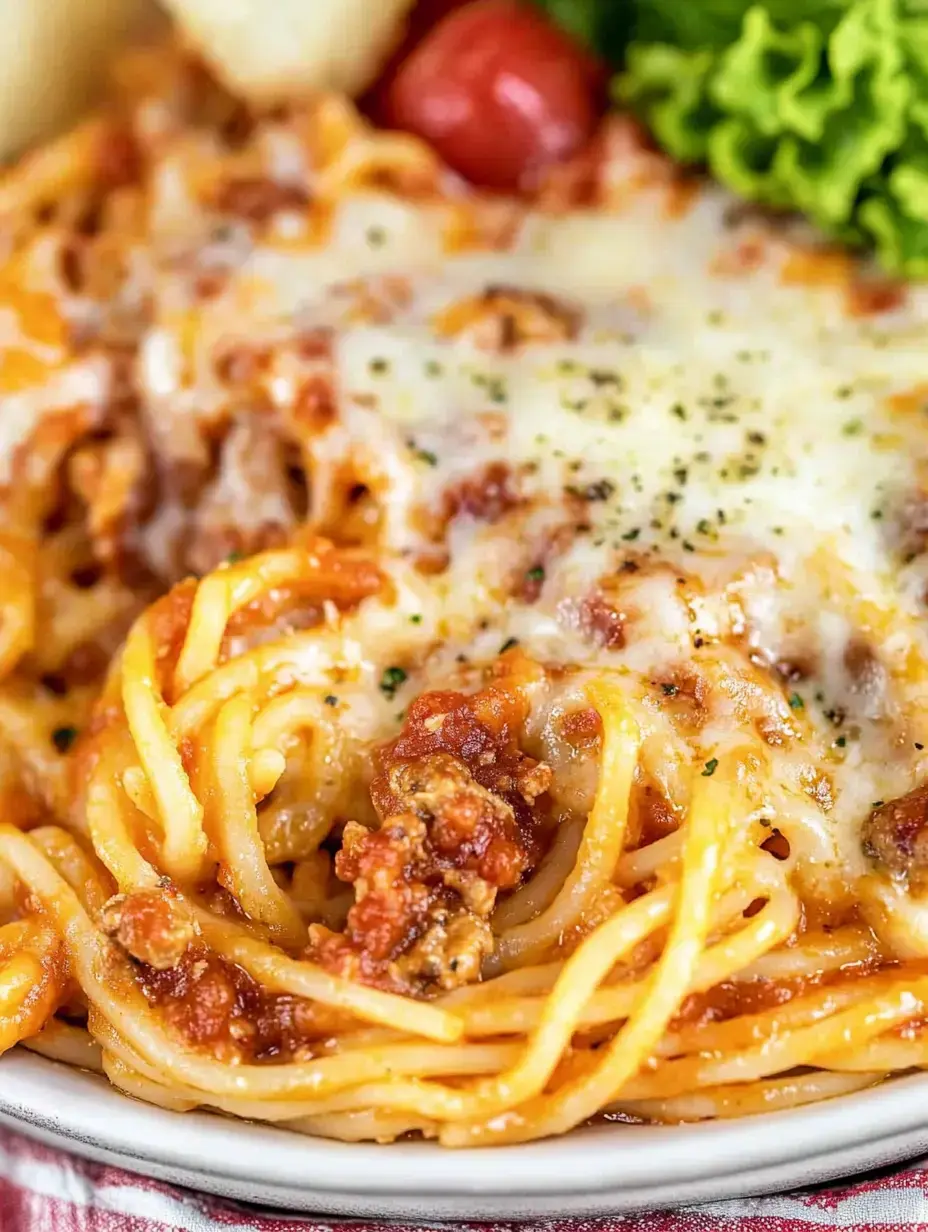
498	91
425	15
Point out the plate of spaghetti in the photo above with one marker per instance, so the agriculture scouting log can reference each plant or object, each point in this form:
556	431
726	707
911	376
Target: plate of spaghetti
463	654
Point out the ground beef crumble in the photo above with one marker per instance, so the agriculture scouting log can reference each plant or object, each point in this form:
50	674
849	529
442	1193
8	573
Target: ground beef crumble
895	835
460	805
217	1006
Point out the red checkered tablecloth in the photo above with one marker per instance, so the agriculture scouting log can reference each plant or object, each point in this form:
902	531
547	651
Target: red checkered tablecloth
45	1190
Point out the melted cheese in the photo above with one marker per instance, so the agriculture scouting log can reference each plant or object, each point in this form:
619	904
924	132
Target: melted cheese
696	420
741	430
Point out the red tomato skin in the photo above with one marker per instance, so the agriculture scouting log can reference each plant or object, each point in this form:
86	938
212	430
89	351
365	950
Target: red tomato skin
498	91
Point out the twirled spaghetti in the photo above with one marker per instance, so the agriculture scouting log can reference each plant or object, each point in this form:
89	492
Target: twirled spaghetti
202	957
434	696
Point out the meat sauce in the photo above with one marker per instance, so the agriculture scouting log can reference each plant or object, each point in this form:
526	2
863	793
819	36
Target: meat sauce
217	1006
601	622
480	730
463	814
652	816
488	495
895	835
153	926
737	998
214	1004
256	199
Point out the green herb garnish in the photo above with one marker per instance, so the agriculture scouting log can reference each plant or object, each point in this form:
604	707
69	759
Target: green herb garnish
63	738
391	680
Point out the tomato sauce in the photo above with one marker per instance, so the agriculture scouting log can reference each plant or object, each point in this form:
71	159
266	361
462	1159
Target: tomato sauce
217	1006
463	815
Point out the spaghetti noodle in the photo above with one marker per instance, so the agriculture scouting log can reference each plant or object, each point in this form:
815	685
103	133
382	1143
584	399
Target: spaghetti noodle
207	960
371	768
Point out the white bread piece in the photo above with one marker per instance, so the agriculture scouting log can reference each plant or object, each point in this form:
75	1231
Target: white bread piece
269	49
53	59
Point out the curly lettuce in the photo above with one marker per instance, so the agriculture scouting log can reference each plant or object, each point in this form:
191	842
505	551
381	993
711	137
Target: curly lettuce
696	25
820	107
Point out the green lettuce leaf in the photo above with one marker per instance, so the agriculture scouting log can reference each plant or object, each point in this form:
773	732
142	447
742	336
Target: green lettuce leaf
671	86
817	105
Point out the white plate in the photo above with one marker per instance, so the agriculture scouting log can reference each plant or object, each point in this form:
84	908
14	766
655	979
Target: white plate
598	1170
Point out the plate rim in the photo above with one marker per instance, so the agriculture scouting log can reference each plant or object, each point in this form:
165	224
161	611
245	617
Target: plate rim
60	1102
